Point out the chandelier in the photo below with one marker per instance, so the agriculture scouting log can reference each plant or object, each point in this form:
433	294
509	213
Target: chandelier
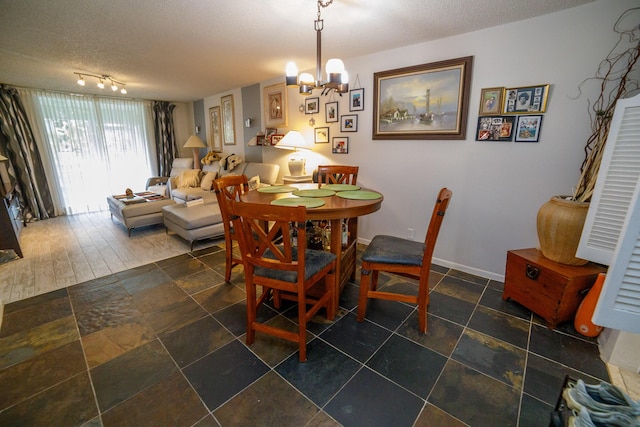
338	77
115	84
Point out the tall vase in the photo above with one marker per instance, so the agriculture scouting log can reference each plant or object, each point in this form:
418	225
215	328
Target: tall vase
582	321
560	223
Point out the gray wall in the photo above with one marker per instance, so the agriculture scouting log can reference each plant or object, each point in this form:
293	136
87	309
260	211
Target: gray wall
251	110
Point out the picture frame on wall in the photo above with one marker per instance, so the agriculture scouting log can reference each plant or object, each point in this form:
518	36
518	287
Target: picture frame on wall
261	140
215	140
438	94
340	145
495	128
349	123
331	112
276	138
491	101
311	105
321	135
275	105
356	99
228	120
528	128
526	100
268	133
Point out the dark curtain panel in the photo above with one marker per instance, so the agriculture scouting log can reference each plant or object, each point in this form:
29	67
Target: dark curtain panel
25	164
166	148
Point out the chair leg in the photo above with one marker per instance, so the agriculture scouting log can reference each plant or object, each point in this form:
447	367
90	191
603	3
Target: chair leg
229	260
251	312
330	286
365	283
302	328
423	302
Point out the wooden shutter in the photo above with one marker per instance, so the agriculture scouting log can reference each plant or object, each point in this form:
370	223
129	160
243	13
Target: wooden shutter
618	178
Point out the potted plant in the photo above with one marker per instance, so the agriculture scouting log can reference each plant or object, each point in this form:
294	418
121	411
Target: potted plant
561	219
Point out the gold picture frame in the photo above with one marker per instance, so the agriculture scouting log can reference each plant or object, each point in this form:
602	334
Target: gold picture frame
526	99
427	101
275	105
491	101
215	140
228	120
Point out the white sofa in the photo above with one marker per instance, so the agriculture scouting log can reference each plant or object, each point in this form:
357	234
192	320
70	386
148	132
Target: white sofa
265	173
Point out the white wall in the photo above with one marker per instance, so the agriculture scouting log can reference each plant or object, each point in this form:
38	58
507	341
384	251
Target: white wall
497	187
183	125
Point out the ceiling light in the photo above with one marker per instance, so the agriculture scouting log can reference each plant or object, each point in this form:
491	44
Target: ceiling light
115	84
338	79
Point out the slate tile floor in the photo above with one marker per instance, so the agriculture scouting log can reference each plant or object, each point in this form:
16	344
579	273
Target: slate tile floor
163	344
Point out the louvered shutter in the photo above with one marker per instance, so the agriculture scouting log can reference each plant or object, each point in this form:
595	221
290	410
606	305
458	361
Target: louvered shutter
618	178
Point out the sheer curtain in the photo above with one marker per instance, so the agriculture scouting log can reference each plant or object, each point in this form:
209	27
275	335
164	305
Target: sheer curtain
96	146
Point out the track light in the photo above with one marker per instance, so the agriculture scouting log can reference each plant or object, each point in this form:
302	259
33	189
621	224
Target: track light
115	84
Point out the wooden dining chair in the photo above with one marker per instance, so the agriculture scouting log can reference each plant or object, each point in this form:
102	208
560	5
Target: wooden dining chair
337	174
283	267
228	188
406	258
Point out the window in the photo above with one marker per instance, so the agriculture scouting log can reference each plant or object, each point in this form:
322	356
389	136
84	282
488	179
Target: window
97	147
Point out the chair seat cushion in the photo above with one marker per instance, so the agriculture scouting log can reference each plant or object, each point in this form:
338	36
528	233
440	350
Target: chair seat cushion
394	250
314	262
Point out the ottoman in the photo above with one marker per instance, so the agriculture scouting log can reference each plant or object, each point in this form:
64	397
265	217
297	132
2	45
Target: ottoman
138	214
194	223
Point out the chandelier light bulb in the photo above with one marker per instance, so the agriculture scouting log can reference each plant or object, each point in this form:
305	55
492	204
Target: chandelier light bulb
306	79
292	74
335	66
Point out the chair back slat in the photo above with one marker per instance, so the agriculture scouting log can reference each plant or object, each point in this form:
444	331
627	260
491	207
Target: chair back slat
272	247
337	174
437	216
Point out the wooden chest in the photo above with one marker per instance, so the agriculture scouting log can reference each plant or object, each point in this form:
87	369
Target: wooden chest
549	289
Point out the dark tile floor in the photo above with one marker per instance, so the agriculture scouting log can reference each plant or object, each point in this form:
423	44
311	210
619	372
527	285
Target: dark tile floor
163	344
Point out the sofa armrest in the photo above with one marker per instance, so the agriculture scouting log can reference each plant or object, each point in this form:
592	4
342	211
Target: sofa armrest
157	180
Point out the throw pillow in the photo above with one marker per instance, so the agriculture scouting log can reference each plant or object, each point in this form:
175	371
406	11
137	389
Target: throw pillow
254	182
189	178
207	181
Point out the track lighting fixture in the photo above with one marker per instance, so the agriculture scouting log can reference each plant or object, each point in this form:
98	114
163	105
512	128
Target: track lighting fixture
115	84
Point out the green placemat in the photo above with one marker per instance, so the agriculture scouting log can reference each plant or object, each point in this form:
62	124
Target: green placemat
341	187
277	189
316	192
359	195
307	202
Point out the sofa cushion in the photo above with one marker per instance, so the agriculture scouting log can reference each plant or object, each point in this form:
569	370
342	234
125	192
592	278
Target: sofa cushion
189	178
193	217
207	181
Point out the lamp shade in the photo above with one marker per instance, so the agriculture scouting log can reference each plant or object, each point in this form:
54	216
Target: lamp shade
293	140
194	142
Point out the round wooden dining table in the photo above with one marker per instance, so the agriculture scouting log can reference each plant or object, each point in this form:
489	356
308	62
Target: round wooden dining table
335	209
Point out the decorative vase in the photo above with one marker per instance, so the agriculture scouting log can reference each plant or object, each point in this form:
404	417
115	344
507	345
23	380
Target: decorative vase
582	321
560	223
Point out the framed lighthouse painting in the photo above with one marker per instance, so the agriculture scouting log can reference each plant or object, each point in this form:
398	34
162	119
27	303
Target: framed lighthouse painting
428	101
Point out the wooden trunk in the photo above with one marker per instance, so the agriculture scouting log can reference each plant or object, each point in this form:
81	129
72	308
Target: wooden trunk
549	289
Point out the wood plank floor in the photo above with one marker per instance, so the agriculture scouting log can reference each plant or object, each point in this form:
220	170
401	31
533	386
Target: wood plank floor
72	249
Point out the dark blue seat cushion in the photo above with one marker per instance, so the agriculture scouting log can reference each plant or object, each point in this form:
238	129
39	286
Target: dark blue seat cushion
394	250
314	262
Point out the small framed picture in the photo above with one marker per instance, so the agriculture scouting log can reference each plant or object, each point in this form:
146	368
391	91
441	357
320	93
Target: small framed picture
340	145
356	99
321	135
311	105
331	112
526	100
267	134
349	123
261	140
495	128
491	101
275	138
528	128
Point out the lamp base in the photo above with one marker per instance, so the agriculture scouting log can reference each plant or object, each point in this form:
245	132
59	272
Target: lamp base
296	167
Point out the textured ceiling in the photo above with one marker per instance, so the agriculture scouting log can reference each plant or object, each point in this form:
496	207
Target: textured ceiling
184	50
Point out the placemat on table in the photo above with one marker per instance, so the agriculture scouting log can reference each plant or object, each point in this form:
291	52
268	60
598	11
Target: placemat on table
341	187
307	202
277	189
314	192
359	195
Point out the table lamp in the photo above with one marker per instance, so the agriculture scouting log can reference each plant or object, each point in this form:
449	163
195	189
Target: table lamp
294	140
196	143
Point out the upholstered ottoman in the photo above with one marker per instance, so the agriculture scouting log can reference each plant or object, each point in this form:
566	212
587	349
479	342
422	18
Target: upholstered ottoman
194	223
138	214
